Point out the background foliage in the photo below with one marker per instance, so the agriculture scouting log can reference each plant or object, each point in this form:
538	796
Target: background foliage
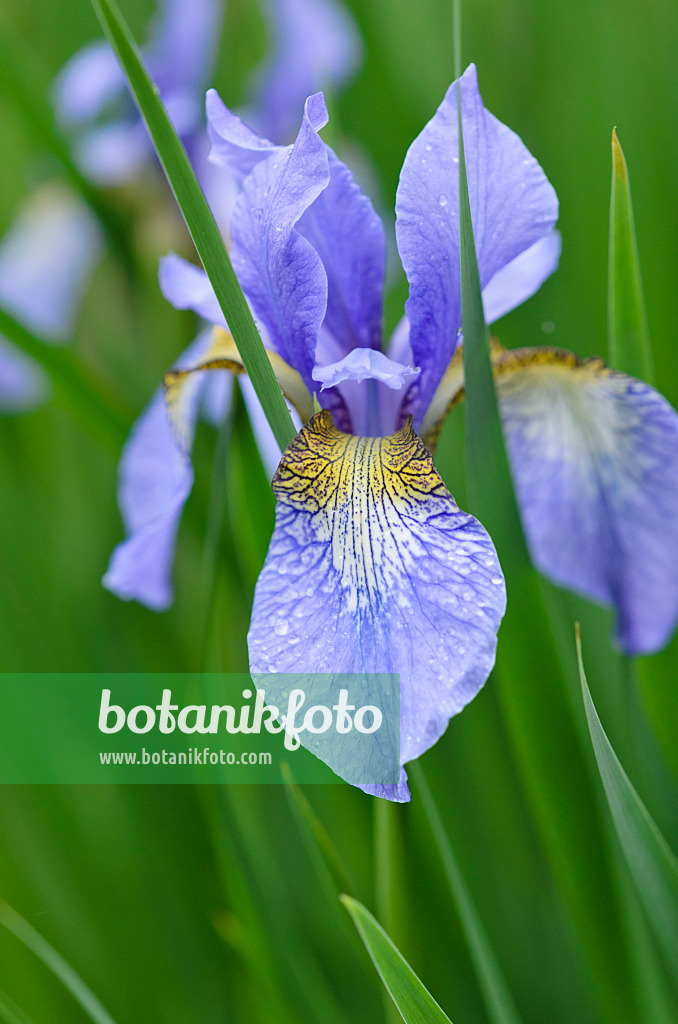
179	904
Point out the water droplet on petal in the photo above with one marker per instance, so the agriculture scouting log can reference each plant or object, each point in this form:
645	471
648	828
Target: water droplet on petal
281	627
442	200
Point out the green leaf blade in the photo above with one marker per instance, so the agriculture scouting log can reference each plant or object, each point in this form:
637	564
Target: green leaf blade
53	960
628	342
414	1002
199	221
651	862
490	485
498	1000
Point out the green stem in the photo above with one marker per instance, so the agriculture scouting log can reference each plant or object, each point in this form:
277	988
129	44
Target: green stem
199	221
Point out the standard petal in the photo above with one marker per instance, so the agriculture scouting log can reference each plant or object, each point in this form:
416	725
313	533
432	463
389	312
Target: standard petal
522	277
23	385
46	260
348	235
373	568
314	44
279	270
186	286
512	207
155	479
594	455
235	145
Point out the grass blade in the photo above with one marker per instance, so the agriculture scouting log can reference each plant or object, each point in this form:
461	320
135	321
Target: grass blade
199	220
317	839
490	487
628	338
415	1003
498	1000
545	742
25	933
77	390
10	1013
651	862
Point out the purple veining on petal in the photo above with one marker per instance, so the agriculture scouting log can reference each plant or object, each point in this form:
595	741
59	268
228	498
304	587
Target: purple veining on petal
372	567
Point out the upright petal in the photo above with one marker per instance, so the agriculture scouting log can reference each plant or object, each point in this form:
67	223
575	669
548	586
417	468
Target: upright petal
522	277
348	235
279	270
594	455
373	568
341	224
314	44
46	260
512	207
155	480
235	145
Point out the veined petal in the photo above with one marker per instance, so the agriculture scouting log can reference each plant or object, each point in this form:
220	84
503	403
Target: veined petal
186	286
522	277
348	235
314	44
372	567
155	480
46	260
512	207
594	455
235	145
279	270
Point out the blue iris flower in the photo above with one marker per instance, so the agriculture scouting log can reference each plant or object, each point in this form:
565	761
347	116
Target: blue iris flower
372	566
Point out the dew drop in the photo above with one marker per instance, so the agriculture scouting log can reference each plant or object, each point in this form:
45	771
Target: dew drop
281	627
442	200
496	580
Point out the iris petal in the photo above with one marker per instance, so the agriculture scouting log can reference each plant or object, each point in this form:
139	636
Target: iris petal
155	480
235	146
512	207
522	277
364	364
373	568
278	269
594	455
188	287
